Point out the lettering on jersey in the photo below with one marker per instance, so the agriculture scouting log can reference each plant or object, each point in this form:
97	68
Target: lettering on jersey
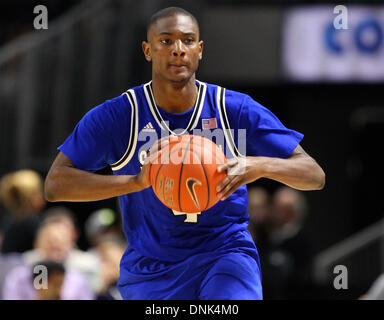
190	217
142	156
190	183
149	138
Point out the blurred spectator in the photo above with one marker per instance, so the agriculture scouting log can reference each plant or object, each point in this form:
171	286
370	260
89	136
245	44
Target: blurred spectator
82	261
284	246
20	283
110	253
108	245
7	263
55	281
102	225
376	291
21	193
5	218
55	242
64	215
258	208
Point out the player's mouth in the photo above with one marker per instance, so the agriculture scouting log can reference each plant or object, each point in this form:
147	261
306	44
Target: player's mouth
178	66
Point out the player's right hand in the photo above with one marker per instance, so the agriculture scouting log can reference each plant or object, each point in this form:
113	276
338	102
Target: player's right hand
143	177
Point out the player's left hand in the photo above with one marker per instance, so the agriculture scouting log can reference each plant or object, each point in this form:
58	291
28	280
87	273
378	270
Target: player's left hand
240	171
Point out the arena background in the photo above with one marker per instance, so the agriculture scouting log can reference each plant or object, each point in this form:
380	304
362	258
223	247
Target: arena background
91	52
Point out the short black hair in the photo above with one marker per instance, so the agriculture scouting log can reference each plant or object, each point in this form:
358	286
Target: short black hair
170	12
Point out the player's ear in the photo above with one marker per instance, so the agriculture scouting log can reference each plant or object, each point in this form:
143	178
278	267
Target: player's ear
201	45
146	50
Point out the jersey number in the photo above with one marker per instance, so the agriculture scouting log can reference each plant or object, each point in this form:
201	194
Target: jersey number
190	217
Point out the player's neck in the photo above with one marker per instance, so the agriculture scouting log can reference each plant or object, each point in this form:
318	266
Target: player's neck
175	97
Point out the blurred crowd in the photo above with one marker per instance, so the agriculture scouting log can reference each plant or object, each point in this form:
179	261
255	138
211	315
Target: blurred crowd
17	17
40	258
277	226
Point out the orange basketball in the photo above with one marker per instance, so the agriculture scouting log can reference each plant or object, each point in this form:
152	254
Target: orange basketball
184	175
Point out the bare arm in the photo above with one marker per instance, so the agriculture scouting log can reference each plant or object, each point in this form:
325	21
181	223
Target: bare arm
65	182
299	171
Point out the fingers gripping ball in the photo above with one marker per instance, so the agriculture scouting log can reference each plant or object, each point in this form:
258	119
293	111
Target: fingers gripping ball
184	173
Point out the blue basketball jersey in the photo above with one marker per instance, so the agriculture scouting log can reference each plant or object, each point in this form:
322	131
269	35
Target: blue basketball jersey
118	133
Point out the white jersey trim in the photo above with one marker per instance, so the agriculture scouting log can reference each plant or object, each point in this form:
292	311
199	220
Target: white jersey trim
220	98
159	119
131	147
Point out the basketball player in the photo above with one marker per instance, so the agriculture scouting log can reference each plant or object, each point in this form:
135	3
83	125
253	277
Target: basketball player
172	255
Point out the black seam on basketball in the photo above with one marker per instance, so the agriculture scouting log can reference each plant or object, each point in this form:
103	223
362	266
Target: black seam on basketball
132	136
216	157
158	171
206	178
197	143
181	170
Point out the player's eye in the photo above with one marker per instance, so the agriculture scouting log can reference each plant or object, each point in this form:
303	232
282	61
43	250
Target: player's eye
189	40
165	41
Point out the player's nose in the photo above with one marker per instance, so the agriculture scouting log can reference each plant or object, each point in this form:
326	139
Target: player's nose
178	49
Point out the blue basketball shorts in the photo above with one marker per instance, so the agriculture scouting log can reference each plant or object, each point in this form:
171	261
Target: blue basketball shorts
226	276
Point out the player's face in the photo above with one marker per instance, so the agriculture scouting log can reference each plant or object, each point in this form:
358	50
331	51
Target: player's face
174	48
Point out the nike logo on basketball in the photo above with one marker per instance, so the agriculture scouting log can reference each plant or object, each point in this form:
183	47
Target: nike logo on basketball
191	182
